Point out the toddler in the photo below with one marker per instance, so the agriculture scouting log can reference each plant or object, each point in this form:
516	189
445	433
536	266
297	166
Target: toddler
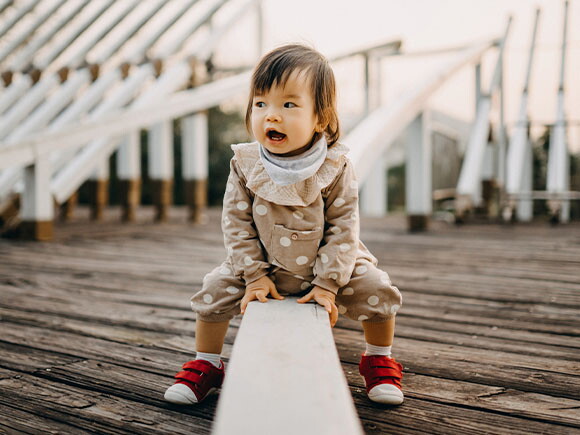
291	227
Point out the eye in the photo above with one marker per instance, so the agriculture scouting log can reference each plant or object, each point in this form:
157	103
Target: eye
289	105
260	104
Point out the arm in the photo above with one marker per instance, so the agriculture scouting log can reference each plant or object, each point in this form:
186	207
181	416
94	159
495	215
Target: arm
337	254
240	236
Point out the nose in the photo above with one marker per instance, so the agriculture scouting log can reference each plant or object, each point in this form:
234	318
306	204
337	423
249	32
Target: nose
273	116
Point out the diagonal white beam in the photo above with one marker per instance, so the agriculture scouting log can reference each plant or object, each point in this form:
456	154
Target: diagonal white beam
376	133
119	123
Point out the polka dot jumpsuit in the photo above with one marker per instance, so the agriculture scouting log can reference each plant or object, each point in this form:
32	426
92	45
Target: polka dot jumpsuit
301	235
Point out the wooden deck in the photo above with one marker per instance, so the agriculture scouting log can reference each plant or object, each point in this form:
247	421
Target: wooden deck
94	324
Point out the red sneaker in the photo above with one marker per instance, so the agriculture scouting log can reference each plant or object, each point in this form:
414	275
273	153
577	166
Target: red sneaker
382	379
195	382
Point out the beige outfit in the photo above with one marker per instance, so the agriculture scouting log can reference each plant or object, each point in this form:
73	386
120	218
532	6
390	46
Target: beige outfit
300	235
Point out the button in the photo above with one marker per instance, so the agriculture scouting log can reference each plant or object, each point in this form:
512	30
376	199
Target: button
294	236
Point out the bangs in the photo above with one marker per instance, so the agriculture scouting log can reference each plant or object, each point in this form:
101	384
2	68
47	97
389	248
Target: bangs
277	75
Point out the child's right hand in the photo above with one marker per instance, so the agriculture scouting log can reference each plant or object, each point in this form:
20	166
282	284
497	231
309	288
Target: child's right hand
259	289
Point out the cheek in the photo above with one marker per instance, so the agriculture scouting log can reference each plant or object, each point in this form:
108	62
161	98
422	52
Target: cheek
255	124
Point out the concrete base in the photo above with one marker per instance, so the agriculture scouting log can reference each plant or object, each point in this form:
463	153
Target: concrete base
36	230
99	194
162	198
489	195
9	210
196	199
417	222
130	199
67	209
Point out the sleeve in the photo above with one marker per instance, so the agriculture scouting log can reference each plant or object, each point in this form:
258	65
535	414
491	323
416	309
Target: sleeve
337	254
240	235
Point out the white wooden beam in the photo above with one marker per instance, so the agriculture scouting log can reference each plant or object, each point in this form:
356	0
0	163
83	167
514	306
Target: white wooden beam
27	104
74	111
161	151
194	139
186	25
119	35
12	93
147	36
79	24
82	165
55	103
122	122
22	33
129	157
299	388
43	34
75	53
17	12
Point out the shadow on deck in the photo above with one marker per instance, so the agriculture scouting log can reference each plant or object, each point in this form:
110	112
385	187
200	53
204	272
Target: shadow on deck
95	324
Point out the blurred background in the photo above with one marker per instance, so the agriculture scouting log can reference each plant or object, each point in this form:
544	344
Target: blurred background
411	59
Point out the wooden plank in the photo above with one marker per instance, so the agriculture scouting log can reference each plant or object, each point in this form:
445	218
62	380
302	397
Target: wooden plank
92	410
285	369
14	420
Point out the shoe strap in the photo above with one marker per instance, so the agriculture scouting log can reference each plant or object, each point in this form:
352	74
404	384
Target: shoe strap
199	365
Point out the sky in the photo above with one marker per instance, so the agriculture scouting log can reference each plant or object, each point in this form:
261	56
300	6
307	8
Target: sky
334	27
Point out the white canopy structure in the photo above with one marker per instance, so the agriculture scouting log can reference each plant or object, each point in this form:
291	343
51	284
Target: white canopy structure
81	81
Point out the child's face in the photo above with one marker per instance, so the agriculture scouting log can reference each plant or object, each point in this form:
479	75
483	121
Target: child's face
283	119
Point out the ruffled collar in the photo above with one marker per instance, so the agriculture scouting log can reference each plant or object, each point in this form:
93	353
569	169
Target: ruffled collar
300	194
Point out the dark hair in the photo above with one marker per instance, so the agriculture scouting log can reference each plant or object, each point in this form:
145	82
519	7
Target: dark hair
275	68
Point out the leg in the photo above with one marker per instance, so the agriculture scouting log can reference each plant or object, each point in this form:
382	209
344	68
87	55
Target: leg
210	336
380	333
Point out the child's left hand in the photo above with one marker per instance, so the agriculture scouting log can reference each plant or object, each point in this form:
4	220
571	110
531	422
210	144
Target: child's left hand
326	299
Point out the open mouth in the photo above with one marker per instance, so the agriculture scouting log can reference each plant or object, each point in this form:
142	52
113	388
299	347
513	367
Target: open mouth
275	136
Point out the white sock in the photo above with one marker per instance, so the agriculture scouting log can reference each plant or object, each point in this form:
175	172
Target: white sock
213	358
378	350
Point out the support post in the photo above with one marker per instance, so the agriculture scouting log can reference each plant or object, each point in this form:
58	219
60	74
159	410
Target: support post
129	172
558	177
161	167
37	211
373	196
68	207
489	183
418	173
195	164
519	157
477	84
99	190
525	209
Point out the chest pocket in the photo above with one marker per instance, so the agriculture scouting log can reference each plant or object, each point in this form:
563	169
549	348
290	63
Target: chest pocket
295	250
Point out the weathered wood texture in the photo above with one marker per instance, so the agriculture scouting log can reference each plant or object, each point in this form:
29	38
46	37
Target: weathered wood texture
95	324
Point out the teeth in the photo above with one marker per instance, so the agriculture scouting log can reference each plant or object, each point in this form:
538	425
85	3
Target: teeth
275	135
